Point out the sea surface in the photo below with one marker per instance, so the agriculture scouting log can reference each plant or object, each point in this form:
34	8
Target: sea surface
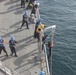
61	13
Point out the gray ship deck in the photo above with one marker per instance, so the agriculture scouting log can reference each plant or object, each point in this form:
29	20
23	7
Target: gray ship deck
27	62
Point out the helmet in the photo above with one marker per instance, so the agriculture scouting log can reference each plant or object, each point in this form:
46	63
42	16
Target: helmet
40	19
41	73
26	13
12	38
38	4
31	5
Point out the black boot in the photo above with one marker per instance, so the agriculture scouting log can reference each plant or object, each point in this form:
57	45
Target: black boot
6	54
15	55
11	54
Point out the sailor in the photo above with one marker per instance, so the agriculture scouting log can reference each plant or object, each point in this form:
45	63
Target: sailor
34	10
12	45
43	41
50	45
2	46
30	2
22	3
25	20
38	23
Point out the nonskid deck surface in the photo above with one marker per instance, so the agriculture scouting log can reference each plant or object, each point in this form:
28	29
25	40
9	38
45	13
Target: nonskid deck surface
27	62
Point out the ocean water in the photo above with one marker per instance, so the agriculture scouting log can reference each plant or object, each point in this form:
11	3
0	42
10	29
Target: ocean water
61	13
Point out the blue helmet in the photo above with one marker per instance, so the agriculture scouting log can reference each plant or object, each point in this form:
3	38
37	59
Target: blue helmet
40	19
12	38
26	12
41	73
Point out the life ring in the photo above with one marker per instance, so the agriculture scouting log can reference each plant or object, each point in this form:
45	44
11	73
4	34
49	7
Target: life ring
39	29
